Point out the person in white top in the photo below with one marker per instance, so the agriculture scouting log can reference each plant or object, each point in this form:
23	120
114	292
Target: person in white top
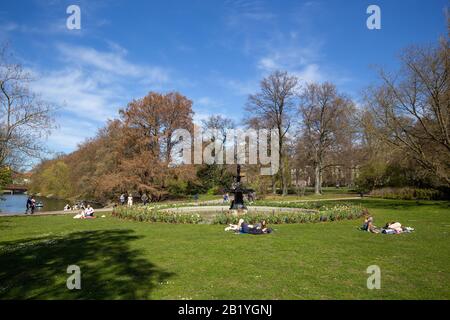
130	200
89	211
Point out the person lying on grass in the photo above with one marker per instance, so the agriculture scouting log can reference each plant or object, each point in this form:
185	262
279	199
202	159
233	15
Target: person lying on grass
243	227
396	227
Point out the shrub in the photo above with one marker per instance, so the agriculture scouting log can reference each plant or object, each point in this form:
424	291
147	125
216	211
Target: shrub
407	193
177	187
214	191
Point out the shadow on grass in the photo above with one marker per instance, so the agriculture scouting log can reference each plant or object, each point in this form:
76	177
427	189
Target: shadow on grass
110	268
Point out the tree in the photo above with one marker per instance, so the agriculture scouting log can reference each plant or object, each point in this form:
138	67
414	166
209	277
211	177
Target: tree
260	183
149	124
326	127
219	124
273	106
177	113
412	108
153	119
216	127
129	154
5	176
24	117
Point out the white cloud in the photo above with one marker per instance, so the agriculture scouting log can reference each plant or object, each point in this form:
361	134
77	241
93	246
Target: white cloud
113	62
310	73
289	53
94	84
267	64
242	12
71	133
208	102
199	116
90	89
240	87
288	57
78	93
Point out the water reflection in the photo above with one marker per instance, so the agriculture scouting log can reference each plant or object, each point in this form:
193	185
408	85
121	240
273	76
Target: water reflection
17	204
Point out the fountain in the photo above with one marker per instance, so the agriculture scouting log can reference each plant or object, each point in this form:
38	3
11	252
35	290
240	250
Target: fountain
238	190
237	206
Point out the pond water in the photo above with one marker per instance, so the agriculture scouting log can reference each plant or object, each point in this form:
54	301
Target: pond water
17	203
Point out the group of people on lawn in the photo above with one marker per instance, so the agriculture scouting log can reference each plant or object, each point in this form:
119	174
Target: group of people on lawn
86	213
390	227
243	227
262	228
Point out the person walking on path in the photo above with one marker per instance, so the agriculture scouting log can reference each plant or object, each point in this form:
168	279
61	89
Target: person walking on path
130	200
32	205
122	199
28	205
144	199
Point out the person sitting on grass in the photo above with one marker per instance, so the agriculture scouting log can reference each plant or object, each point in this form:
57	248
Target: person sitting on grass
369	226
89	212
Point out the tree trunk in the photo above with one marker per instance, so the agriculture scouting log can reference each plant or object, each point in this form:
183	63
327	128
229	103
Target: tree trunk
284	181
284	190
318	180
274	185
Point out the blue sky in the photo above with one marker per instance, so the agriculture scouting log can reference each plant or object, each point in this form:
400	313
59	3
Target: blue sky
214	52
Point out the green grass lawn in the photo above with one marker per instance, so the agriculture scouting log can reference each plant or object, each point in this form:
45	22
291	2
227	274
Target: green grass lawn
126	259
327	193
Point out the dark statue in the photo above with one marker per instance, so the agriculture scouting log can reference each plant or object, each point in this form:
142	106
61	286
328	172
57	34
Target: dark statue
238	190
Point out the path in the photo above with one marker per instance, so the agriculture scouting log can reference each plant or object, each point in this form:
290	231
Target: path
51	213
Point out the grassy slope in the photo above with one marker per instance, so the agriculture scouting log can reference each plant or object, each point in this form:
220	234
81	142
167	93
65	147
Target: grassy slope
125	259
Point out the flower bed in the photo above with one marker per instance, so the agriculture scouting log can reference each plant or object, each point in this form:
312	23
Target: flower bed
323	213
150	214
